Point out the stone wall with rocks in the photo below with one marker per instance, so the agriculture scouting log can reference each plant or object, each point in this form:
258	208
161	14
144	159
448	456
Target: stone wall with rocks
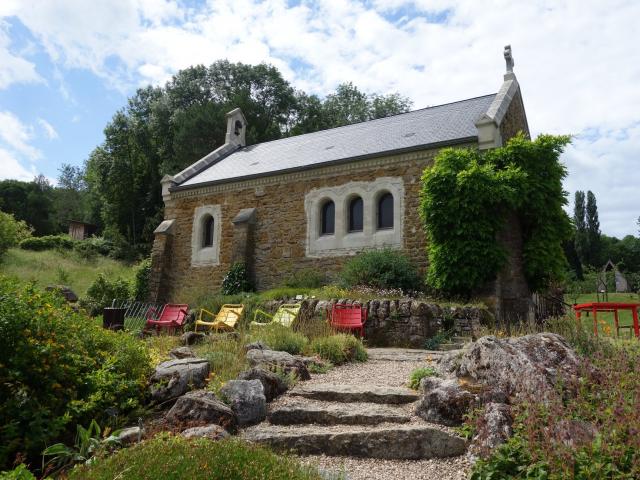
402	323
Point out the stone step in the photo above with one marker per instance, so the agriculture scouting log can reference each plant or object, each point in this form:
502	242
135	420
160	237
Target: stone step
461	339
447	347
337	413
402	354
385	442
356	393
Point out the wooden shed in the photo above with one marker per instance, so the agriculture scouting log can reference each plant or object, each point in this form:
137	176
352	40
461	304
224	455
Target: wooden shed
81	230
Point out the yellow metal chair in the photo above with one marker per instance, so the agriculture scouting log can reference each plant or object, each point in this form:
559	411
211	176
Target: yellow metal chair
226	319
285	315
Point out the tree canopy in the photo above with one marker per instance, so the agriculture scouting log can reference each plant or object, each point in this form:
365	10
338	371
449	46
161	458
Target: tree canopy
466	197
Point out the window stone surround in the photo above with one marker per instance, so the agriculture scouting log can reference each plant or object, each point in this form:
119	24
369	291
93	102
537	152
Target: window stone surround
343	242
205	256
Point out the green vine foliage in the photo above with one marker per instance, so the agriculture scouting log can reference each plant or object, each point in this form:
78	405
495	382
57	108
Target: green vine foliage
466	197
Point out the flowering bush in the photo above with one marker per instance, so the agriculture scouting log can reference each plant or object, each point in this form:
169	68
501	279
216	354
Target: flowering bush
236	280
58	368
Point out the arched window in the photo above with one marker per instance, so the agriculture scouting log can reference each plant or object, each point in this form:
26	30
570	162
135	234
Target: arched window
328	221
355	214
385	211
207	231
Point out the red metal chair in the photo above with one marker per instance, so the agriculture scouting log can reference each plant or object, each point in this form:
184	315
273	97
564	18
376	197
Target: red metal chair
171	317
348	317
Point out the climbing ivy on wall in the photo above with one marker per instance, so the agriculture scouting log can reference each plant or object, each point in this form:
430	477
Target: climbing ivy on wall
466	197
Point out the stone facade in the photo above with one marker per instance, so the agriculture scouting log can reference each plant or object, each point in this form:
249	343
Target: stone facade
277	244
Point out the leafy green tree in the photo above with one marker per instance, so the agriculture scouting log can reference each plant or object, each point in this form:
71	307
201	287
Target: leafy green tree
466	198
30	202
69	196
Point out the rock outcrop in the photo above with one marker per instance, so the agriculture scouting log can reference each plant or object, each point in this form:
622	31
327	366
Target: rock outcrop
181	352
272	359
494	428
444	401
176	377
247	400
211	432
273	385
202	406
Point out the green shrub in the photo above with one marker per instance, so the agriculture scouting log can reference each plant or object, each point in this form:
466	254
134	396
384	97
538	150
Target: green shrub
175	458
103	291
279	337
12	232
434	342
236	280
418	374
21	472
305	278
141	281
339	349
510	461
92	247
48	242
384	268
59	369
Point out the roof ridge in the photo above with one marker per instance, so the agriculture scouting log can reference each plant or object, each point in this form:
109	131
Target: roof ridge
367	121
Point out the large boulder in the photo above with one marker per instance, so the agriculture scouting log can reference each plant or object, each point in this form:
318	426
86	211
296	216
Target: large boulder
211	432
202	406
176	377
272	359
273	385
444	401
129	436
247	400
529	365
493	430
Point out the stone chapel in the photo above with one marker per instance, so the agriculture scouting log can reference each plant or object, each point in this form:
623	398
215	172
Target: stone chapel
313	200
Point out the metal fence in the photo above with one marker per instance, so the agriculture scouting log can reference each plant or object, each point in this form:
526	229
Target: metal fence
137	312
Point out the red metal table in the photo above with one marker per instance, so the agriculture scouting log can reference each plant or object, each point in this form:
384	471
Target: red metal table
595	307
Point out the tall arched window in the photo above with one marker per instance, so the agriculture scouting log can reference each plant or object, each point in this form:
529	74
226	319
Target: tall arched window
385	211
328	221
355	214
207	231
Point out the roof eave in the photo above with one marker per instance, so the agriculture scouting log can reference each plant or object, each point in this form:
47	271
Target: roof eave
397	151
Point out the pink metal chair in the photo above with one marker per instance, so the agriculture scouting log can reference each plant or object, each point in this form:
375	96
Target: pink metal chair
348	317
172	316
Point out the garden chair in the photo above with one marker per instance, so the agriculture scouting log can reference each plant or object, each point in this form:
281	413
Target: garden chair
172	316
348	317
226	319
285	315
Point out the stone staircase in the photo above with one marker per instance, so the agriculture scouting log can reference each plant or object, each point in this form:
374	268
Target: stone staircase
353	419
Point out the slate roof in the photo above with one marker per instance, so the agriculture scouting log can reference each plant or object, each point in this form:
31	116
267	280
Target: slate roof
439	125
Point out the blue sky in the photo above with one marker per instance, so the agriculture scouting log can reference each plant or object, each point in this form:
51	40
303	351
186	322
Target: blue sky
66	66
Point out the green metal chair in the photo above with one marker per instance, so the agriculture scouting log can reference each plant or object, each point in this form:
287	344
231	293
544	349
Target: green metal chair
285	315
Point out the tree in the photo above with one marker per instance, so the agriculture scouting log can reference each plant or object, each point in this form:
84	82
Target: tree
69	197
593	231
579	220
30	202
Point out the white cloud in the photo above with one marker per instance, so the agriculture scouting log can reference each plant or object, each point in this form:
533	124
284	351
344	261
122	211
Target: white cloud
14	69
48	129
17	136
575	59
10	167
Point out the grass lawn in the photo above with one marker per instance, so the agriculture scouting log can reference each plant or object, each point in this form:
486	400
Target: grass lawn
61	267
624	316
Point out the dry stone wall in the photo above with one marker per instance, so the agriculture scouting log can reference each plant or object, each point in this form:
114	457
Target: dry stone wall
402	323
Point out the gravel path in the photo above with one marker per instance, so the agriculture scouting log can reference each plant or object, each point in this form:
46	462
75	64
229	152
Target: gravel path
380	373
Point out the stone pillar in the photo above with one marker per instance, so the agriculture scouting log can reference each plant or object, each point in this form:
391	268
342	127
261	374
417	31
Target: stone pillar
160	261
243	240
509	296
